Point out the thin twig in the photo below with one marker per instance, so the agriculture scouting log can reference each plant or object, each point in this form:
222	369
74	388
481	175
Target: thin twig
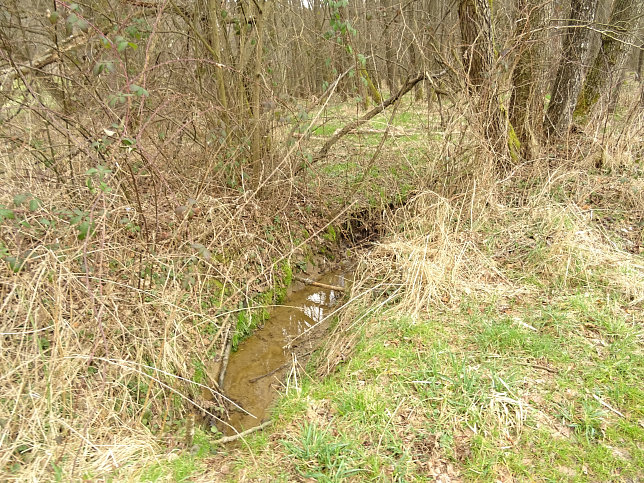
283	366
255	379
308	281
543	368
230	439
224	362
607	406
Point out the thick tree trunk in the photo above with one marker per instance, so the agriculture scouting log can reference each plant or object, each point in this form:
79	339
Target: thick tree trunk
607	69
476	33
526	100
572	68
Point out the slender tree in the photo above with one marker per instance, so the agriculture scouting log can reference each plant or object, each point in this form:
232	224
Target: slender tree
388	26
640	63
526	100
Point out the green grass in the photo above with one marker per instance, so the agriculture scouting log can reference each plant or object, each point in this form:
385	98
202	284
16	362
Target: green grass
398	165
542	385
182	465
327	129
320	455
521	393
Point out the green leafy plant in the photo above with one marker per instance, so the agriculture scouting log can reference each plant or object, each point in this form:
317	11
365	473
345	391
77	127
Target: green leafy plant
81	220
98	174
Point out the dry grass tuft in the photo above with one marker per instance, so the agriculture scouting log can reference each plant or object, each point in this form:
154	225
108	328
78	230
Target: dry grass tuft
109	328
79	395
435	254
438	257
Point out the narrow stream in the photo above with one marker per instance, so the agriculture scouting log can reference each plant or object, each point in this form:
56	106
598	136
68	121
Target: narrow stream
259	367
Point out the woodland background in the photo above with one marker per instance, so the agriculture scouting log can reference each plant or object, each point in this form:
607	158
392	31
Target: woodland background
168	166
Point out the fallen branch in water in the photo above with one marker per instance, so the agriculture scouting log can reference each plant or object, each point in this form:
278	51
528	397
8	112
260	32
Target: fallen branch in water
255	379
283	366
308	281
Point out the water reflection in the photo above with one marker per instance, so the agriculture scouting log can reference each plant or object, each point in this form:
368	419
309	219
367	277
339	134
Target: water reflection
313	312
321	297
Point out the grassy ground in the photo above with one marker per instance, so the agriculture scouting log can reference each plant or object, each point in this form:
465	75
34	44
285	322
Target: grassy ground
470	393
506	345
498	333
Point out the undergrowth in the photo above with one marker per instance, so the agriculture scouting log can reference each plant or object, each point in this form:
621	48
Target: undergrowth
493	334
493	331
495	343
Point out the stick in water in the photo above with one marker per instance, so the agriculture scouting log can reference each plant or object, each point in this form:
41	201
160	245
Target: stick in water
308	281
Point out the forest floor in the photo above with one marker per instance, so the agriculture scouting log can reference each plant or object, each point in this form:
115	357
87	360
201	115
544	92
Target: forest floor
494	329
501	338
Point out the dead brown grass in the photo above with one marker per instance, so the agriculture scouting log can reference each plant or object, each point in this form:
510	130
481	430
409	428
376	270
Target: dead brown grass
444	248
568	225
102	338
106	340
93	358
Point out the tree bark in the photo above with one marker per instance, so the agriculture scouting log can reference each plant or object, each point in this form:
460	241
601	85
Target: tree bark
387	35
476	32
214	13
640	63
572	68
607	69
478	60
526	100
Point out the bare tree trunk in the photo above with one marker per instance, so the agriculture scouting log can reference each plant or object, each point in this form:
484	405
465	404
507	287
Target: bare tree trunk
415	58
214	18
478	57
572	68
476	33
259	141
640	63
614	94
526	100
607	69
388	33
318	66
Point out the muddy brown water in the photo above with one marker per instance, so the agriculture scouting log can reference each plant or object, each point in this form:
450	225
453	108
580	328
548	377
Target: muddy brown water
263	362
